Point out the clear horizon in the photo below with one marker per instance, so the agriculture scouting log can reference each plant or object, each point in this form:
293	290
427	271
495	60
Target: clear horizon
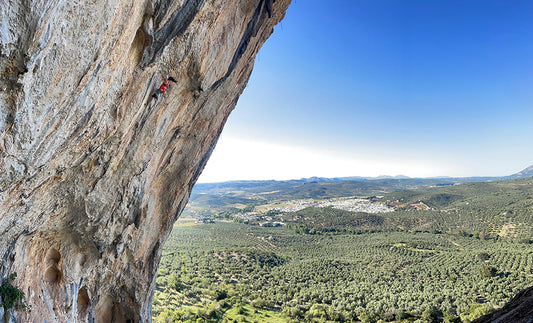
364	88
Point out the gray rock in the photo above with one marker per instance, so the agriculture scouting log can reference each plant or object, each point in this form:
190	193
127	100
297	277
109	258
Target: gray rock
93	171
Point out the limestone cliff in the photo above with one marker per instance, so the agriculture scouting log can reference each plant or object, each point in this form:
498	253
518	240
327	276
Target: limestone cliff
93	172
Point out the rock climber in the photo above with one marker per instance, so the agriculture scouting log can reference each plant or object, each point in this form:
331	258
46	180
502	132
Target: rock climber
163	88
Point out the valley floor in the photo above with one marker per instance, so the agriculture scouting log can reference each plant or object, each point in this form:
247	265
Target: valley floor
411	250
228	271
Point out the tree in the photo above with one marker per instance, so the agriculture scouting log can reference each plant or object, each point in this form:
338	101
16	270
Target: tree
401	315
259	303
220	294
430	315
367	317
483	256
174	282
293	312
475	311
487	271
450	318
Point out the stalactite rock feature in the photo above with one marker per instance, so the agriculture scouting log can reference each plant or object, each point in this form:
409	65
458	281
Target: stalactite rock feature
93	171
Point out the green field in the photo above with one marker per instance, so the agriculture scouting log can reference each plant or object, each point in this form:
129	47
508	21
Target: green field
468	253
335	277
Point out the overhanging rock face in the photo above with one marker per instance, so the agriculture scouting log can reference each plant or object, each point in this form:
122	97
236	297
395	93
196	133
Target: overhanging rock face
93	172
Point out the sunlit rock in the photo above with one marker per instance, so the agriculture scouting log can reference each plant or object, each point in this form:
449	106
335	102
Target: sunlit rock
93	171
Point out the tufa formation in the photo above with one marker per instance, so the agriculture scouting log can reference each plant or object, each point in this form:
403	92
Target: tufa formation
93	171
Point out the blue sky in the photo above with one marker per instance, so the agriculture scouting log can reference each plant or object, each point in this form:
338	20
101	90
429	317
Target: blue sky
419	88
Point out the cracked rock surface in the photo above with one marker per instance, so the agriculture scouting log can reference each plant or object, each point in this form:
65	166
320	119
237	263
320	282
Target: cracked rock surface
93	172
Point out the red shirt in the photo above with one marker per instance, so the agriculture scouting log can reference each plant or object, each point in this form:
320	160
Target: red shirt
163	87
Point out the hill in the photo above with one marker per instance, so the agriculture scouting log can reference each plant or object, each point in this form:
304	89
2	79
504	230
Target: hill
497	208
526	172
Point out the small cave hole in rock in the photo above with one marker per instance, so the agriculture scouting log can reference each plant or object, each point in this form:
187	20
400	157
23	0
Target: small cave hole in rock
52	274
139	43
83	300
52	257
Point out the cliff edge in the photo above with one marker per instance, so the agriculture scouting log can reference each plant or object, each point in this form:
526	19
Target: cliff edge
93	170
517	310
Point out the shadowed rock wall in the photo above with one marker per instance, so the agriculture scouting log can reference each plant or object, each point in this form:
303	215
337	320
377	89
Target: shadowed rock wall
93	173
518	310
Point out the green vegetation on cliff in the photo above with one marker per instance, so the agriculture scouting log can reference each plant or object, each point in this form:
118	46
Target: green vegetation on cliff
11	296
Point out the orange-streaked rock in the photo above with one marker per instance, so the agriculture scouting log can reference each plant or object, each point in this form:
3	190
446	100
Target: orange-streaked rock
93	172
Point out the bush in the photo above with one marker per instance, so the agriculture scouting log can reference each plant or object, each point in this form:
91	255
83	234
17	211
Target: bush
11	296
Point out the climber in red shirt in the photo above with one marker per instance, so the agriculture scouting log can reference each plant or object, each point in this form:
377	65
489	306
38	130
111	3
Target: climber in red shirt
163	88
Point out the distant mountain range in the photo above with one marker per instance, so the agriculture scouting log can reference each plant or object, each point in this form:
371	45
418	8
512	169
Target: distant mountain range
527	172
